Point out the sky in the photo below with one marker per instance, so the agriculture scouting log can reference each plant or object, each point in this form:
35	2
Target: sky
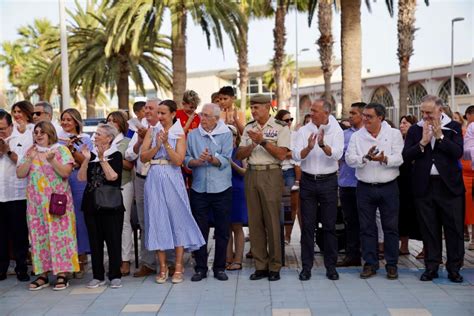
379	35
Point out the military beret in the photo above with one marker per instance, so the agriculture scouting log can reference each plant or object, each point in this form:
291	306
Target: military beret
260	98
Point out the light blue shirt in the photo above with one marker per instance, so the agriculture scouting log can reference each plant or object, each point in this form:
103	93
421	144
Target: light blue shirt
209	178
347	176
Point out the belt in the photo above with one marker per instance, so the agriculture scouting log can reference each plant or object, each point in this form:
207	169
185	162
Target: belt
160	162
264	167
319	176
140	176
377	184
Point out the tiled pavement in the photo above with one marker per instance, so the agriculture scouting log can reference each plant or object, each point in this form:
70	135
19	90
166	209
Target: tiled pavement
239	296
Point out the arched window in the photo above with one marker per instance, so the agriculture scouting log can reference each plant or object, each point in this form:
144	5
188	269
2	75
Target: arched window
416	92
383	96
460	87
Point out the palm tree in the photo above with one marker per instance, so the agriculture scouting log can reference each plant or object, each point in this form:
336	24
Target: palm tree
91	67
14	59
406	35
213	16
287	78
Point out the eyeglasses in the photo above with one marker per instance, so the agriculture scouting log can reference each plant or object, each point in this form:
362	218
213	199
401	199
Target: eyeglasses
288	121
38	113
39	133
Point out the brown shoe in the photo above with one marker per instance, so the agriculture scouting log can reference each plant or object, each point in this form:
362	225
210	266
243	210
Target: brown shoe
125	268
143	272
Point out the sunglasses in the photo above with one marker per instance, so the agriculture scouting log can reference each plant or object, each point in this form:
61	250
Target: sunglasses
38	113
288	121
39	133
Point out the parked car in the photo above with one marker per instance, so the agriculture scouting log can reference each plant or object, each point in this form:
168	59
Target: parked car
90	125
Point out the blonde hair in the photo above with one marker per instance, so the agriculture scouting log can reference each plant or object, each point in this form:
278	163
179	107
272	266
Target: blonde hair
49	130
76	116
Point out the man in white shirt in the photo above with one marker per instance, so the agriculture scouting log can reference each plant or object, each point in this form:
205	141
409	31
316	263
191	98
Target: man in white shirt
147	258
319	145
375	151
44	112
13	225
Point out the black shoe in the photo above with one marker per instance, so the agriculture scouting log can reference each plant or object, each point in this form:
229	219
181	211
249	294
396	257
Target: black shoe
455	277
392	272
3	276
198	276
22	276
305	275
332	274
258	275
349	262
221	276
273	276
429	275
368	271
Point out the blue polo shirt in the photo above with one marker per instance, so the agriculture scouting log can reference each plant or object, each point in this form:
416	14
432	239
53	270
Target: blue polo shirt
347	176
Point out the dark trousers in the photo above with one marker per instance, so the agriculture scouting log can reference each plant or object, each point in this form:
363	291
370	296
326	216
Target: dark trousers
322	192
13	227
105	227
385	197
348	198
440	208
218	206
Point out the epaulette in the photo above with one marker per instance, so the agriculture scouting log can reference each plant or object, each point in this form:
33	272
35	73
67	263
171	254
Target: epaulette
251	122
282	123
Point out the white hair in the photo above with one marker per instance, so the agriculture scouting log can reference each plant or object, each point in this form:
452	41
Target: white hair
216	110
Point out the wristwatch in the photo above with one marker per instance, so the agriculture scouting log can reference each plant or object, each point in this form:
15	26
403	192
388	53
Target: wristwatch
322	145
9	153
263	143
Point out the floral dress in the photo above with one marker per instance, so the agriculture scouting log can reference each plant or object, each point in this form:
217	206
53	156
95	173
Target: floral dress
52	238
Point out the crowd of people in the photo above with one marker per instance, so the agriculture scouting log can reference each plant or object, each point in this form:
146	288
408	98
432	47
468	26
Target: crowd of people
65	194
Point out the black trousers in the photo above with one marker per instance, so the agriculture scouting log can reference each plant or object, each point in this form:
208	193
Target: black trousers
440	208
13	227
384	197
348	198
218	207
324	192
105	227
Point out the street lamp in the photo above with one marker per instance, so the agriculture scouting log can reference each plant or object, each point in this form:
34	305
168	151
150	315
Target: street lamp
65	95
452	59
297	81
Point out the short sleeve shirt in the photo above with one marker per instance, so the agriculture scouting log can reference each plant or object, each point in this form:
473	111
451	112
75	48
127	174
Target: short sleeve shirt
274	132
183	118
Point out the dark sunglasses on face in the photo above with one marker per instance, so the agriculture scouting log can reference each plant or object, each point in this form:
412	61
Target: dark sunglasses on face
288	120
38	113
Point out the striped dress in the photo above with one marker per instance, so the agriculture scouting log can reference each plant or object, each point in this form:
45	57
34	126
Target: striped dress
168	219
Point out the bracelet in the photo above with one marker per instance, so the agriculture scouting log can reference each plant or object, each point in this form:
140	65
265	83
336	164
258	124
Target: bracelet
168	146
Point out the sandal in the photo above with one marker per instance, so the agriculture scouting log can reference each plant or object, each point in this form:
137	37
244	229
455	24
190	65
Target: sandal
178	275
61	283
39	286
163	275
234	266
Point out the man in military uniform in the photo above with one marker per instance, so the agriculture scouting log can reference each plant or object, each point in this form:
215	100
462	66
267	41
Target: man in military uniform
265	142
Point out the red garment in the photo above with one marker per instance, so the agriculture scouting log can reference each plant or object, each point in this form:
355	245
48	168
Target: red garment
183	118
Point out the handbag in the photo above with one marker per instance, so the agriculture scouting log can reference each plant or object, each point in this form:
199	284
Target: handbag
108	198
57	204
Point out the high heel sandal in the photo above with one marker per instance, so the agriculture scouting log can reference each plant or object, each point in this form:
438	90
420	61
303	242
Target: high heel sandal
163	275
178	275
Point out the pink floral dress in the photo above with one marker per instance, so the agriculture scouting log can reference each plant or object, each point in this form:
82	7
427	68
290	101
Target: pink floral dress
52	238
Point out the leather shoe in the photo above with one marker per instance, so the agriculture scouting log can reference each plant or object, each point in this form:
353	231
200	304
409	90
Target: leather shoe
368	271
305	275
332	274
22	276
455	277
258	275
273	276
221	276
143	272
3	276
349	262
199	275
392	272
429	275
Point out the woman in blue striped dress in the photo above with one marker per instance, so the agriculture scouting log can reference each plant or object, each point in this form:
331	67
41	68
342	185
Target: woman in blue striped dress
169	223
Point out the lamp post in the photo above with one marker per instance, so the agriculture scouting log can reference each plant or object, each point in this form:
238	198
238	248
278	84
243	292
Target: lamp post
452	59
65	94
297	52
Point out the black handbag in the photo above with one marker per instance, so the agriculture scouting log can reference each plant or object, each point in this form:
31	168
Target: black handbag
108	198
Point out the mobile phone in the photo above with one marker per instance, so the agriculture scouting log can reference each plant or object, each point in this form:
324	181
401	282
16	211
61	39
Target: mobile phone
376	151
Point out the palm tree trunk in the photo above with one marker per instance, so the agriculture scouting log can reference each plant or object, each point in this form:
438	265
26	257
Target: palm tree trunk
279	36
122	83
243	66
325	43
406	35
351	54
178	50
90	104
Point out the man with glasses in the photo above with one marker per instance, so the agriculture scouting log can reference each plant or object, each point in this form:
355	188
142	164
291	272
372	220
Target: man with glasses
44	112
12	198
375	151
208	155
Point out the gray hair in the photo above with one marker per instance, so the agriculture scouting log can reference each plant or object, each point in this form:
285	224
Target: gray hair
191	97
327	106
48	108
153	100
216	110
109	130
432	98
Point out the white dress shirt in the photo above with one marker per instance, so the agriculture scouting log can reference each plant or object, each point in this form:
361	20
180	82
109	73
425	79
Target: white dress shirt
130	155
317	162
290	163
11	187
389	140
